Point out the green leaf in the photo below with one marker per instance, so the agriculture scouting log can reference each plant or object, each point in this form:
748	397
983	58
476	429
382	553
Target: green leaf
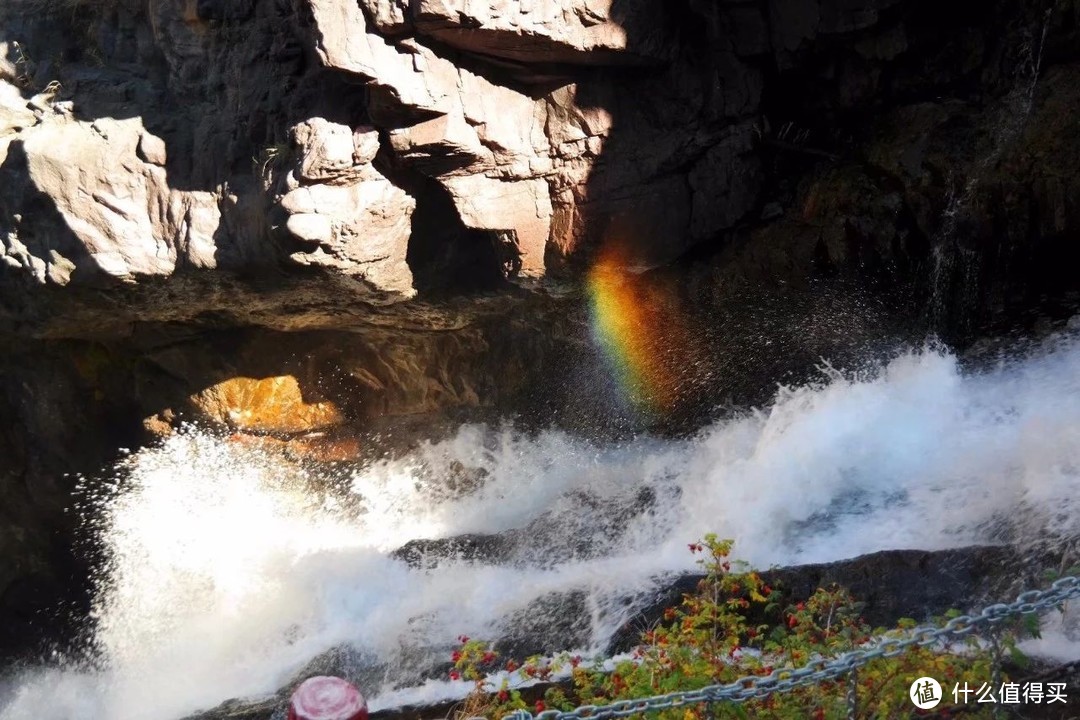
1019	658
1033	625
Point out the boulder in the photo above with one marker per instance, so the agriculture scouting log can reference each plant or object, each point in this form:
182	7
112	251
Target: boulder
390	17
445	144
591	32
310	228
152	149
522	209
327	150
274	404
361	230
891	585
107	200
347	216
15	115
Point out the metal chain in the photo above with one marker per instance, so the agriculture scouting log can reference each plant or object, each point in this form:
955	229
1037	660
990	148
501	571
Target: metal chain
820	669
853	694
995	668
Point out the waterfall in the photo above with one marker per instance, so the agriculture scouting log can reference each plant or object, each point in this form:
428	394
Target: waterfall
228	567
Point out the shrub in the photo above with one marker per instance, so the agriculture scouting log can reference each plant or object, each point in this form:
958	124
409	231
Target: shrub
732	626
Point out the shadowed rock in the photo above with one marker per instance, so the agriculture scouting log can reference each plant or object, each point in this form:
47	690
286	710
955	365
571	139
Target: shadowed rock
891	585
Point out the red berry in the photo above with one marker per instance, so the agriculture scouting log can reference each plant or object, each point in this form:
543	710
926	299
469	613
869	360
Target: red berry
455	675
540	706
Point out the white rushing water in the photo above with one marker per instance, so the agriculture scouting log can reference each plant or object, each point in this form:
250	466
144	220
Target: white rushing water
228	570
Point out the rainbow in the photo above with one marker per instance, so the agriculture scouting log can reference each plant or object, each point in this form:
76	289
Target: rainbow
639	330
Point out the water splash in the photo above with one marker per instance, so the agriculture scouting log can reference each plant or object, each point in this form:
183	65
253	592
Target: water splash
230	567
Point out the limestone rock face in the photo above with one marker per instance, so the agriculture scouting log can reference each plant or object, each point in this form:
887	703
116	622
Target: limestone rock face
396	149
486	142
113	212
15	113
728	170
326	151
578	31
359	230
243	135
274	404
389	16
521	209
318	145
348	216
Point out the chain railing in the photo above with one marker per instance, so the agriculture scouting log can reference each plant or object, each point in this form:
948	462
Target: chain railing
820	669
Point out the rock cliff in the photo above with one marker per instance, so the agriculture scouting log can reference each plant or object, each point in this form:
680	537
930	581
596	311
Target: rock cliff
298	216
397	148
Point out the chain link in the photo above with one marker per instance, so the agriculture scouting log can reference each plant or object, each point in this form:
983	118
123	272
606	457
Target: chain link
820	669
995	668
853	694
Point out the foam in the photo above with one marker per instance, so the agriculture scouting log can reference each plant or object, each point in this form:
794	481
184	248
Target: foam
229	568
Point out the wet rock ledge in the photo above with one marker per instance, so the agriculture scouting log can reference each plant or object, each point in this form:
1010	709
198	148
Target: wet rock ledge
892	584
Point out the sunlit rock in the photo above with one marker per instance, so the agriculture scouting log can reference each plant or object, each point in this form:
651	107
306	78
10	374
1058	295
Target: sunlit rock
579	31
274	404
